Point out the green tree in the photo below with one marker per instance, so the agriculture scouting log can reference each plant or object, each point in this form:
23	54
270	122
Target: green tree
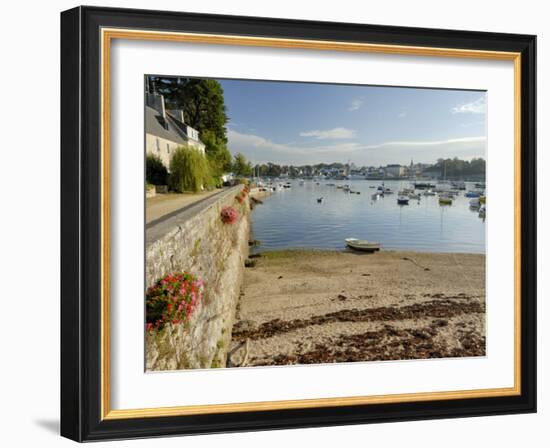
457	168
242	167
218	155
155	171
189	171
202	102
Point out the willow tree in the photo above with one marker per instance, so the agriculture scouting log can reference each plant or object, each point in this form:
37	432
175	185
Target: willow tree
189	171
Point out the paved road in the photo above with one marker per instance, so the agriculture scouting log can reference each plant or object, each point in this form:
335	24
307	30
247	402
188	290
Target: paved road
164	204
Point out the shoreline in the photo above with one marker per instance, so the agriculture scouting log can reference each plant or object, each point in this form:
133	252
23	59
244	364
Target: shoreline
346	250
320	306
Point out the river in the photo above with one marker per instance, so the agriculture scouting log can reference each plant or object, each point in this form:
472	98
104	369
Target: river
292	218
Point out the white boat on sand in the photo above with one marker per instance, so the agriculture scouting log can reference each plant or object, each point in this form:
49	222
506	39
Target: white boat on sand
362	245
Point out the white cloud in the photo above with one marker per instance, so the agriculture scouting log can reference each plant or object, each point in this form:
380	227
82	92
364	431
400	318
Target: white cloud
334	134
259	150
402	114
475	107
408	144
355	104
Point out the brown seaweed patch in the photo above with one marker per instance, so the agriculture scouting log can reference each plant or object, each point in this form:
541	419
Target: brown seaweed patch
386	344
439	309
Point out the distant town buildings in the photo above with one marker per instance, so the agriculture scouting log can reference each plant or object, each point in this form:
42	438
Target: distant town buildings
165	130
395	170
474	169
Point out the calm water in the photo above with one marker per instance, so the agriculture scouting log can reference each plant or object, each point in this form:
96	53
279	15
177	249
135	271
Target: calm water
292	218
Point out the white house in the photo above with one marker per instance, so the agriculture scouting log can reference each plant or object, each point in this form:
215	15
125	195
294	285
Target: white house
395	170
165	130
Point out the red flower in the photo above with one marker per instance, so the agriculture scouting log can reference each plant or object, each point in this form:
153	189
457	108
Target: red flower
229	215
173	298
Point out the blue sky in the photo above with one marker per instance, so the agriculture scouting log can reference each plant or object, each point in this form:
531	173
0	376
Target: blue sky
303	123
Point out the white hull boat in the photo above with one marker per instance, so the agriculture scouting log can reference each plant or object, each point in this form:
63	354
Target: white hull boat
362	245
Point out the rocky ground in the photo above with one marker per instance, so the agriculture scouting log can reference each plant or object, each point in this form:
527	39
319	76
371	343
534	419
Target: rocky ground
308	307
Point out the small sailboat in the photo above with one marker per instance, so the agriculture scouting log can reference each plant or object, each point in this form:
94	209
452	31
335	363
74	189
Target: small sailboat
482	211
472	194
423	186
474	203
403	200
362	245
445	200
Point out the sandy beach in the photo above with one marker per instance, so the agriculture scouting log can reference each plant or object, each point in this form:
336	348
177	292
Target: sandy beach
305	307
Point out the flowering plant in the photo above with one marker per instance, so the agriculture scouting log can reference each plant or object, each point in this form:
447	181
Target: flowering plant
229	215
240	198
172	299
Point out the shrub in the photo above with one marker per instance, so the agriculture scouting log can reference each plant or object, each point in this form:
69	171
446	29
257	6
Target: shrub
172	299
189	170
155	171
229	215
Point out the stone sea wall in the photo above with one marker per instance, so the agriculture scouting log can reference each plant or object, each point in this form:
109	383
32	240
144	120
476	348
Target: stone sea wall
197	241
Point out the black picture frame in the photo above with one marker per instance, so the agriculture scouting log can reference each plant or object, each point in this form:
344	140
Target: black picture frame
81	224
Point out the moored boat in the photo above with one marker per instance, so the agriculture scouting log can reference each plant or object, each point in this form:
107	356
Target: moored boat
445	200
403	200
472	194
362	245
423	186
482	211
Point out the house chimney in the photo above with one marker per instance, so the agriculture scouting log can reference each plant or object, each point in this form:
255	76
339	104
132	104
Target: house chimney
177	114
156	101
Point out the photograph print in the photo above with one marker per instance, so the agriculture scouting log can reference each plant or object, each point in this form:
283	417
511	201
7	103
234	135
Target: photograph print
292	223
